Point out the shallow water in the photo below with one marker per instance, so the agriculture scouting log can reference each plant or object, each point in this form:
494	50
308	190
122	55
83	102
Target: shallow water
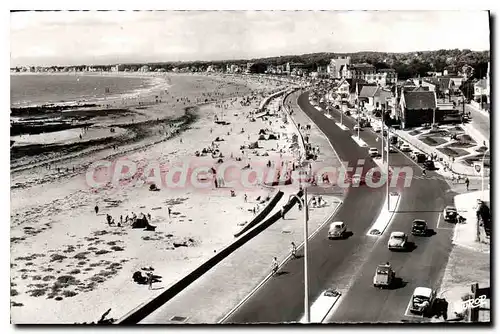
41	89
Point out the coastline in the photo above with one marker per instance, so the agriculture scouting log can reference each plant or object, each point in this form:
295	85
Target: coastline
155	83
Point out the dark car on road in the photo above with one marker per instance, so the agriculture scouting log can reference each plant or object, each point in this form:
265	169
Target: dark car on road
419	227
429	165
450	214
420	157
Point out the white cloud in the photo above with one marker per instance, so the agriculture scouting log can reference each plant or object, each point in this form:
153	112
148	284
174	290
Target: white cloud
203	35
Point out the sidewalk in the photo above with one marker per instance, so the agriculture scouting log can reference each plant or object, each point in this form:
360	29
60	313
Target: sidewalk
469	260
218	291
479	110
469	234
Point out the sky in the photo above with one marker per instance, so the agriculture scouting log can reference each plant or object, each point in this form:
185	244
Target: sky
73	38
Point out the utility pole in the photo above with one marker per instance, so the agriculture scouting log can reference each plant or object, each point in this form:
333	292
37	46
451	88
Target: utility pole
482	174
306	257
358	125
387	171
382	131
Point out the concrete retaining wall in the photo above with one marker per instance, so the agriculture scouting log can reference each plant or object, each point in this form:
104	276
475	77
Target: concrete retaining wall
262	214
149	307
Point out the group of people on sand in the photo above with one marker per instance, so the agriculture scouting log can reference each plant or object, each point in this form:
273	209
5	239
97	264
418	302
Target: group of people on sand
128	220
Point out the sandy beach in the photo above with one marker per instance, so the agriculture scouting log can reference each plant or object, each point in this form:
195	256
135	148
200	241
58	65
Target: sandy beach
69	265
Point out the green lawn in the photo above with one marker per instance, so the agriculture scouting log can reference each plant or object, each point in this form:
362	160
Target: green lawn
455	152
433	141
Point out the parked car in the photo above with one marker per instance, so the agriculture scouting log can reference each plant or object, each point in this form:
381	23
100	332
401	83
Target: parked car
384	276
422	300
377	128
419	227
373	152
397	241
392	149
405	147
429	165
450	214
337	230
420	157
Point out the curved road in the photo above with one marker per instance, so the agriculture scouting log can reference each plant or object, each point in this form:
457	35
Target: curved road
348	265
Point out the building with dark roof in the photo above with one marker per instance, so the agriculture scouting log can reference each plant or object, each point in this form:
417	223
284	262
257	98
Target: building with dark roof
417	108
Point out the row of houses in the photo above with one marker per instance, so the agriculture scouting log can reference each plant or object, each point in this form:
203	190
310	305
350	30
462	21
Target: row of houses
341	68
411	103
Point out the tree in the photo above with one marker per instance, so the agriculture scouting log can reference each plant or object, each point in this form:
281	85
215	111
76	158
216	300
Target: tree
258	68
467	88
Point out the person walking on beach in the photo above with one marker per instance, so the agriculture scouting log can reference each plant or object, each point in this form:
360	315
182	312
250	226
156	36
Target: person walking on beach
150	280
283	213
467	183
96	209
246	198
169	212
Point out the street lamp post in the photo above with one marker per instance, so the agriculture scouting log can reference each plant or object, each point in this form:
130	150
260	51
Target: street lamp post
482	174
382	131
305	204
387	170
341	114
358	124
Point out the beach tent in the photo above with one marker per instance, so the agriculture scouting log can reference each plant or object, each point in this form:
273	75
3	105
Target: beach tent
253	145
262	137
262	132
272	137
140	223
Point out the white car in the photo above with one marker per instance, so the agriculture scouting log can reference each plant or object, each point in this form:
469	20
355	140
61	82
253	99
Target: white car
356	128
377	128
422	300
405	148
413	154
337	230
397	241
373	152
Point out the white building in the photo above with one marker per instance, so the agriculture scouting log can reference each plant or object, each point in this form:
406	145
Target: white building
338	66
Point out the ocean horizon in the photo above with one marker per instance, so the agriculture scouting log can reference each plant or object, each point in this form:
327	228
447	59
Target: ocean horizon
39	89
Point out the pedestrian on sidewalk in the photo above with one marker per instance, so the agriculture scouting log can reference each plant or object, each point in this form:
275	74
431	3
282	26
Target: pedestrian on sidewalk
467	183
96	209
294	250
275	265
